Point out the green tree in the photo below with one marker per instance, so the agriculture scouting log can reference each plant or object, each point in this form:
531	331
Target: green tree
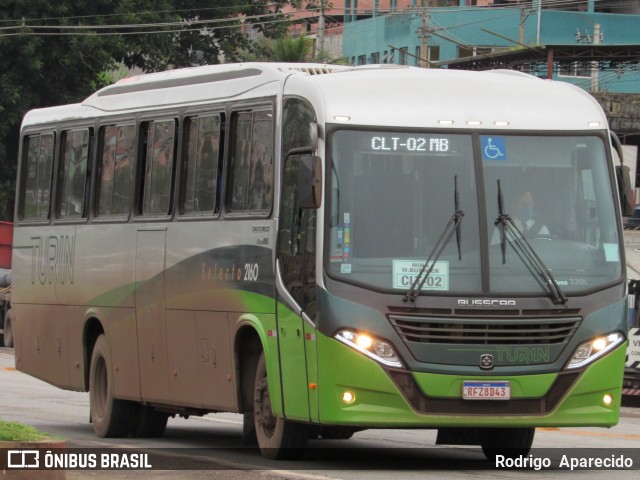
288	49
296	50
58	52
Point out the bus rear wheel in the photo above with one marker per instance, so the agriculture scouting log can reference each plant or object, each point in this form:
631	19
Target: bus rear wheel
278	439
149	423
110	417
509	442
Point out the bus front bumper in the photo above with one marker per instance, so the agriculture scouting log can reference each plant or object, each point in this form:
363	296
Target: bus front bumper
355	390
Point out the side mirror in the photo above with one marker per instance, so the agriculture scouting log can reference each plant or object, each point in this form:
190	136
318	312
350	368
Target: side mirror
313	136
309	182
625	190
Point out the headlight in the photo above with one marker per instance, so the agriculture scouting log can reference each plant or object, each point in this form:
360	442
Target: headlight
372	347
587	352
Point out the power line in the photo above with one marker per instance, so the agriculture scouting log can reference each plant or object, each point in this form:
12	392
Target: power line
147	25
148	12
24	24
86	30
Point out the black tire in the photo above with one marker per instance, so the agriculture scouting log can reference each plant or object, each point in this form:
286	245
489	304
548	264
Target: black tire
8	330
278	439
509	442
110	417
315	431
149	423
337	433
249	438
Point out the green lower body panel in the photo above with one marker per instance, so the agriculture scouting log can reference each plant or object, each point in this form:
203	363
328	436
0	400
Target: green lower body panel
387	399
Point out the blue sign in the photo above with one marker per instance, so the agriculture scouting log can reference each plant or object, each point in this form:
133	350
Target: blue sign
493	148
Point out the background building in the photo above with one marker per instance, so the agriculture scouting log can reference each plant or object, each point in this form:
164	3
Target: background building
594	44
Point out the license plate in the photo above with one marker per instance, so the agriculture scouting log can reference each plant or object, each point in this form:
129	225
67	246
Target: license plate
473	390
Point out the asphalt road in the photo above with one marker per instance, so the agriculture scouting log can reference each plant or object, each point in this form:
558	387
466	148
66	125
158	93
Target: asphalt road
210	446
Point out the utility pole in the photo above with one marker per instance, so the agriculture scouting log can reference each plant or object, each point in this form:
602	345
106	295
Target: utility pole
595	80
523	17
321	27
539	22
423	34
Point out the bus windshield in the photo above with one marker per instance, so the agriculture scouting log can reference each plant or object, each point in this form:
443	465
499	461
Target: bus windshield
393	193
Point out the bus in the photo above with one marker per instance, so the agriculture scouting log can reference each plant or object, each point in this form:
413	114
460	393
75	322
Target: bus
325	249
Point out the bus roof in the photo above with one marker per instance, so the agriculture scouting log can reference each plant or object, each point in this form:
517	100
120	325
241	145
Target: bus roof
368	95
435	98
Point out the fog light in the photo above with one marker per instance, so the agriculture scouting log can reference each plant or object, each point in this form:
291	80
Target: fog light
348	397
607	400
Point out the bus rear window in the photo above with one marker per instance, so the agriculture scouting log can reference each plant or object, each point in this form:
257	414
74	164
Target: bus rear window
37	173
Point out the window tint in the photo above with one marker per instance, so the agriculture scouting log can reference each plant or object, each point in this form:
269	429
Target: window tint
297	246
116	170
297	115
37	172
252	161
73	173
201	164
159	158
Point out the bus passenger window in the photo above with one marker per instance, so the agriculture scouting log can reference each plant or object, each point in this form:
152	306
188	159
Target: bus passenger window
115	170
201	164
252	162
158	167
37	173
73	174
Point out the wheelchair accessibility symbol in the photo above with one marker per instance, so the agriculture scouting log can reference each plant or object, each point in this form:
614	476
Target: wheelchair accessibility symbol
493	148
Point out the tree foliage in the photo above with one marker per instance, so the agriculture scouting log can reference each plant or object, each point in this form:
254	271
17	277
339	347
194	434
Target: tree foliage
288	49
58	52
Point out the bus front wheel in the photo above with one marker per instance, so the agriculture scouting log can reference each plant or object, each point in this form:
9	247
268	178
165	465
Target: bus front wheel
509	442
110	417
277	438
337	433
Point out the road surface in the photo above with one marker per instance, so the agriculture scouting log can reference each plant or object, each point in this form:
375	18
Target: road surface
212	444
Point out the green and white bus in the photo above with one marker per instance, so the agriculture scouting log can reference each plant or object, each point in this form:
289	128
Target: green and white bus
325	249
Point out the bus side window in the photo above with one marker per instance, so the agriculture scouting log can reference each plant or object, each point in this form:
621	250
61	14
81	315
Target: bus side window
37	173
251	187
159	157
72	178
115	170
201	164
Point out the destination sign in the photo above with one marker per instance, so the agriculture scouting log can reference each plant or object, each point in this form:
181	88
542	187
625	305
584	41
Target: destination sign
390	143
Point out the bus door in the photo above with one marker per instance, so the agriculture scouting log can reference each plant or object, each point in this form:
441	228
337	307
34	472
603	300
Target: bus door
150	314
296	297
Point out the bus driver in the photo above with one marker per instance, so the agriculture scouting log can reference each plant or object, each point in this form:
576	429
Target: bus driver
524	217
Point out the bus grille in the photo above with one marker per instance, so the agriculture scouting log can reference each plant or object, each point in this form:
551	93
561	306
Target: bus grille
539	331
457	406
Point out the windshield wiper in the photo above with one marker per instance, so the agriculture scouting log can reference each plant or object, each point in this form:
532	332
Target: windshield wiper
510	233
452	226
